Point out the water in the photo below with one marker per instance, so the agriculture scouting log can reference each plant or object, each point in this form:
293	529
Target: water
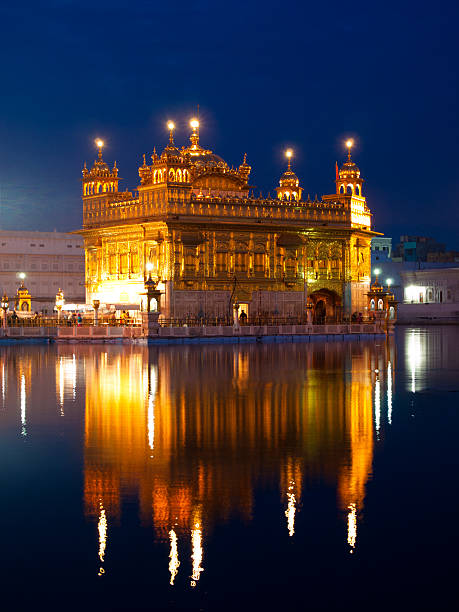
316	476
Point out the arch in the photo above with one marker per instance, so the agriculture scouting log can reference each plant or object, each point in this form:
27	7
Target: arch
380	304
357	190
186	176
171	175
341	189
349	190
327	306
372	304
178	175
25	307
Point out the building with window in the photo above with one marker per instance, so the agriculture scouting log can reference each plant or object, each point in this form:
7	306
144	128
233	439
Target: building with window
45	262
381	249
430	296
194	224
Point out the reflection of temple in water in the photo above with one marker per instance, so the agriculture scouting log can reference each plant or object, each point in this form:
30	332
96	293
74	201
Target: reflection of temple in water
191	433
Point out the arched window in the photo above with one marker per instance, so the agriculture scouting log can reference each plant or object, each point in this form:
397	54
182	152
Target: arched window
357	190
349	190
178	176
171	175
341	189
155	176
186	176
380	305
372	304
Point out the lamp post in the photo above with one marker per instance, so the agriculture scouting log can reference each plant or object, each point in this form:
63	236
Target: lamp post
4	308
95	305
59	303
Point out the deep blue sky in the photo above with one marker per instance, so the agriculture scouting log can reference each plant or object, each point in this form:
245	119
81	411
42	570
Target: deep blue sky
265	74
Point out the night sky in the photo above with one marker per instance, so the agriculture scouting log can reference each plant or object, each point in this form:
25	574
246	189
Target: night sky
266	75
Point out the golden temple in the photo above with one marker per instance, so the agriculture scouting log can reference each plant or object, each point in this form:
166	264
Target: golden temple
196	227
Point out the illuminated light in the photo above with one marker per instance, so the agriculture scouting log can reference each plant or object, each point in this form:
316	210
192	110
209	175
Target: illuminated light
291	509
377	406
61	386
197	554
352	526
376	271
389	393
170	125
194	123
151	408
99	143
149	266
22	275
413	353
174	562
389	282
289	153
349	143
23	406
102	528
3	384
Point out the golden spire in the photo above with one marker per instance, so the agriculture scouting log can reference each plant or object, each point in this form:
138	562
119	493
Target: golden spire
100	145
349	145
194	124
171	127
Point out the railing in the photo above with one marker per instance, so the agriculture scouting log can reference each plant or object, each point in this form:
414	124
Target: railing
256	320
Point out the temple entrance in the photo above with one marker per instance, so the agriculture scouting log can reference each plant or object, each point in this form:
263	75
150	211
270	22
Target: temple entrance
326	306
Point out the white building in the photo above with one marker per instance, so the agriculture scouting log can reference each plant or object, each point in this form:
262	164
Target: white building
430	296
381	249
49	260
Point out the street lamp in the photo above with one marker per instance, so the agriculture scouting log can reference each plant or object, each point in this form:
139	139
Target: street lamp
376	272
95	305
4	308
59	303
389	282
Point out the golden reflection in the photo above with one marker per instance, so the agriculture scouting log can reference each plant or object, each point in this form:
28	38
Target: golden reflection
174	562
352	526
196	553
102	528
191	433
389	393
377	404
23	400
3	384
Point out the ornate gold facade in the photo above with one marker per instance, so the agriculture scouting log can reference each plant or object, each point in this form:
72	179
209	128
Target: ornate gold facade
195	224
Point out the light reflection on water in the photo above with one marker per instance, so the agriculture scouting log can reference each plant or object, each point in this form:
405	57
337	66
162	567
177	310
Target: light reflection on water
190	437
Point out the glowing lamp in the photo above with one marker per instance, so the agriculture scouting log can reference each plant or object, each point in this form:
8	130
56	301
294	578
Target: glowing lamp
99	143
389	282
170	125
194	123
288	153
149	266
376	271
22	275
349	143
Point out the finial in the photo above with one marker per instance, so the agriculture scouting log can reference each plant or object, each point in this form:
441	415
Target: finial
288	155
171	127
245	158
114	165
194	124
100	144
349	145
144	162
